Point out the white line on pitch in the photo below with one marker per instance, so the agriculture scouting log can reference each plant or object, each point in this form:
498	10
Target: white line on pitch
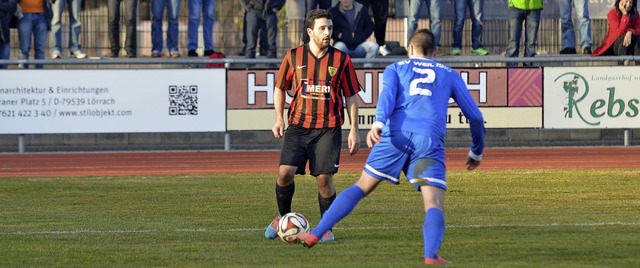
588	224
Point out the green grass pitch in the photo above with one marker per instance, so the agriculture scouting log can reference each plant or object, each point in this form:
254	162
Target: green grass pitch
506	218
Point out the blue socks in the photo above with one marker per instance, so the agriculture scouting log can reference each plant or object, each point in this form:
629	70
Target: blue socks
433	232
345	202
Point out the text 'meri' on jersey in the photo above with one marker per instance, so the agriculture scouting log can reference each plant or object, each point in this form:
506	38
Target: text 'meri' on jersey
415	97
319	85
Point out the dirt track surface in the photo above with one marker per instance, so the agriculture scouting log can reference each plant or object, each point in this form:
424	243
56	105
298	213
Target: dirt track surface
167	163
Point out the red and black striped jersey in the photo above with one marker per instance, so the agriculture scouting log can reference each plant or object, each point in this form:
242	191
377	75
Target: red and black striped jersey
319	86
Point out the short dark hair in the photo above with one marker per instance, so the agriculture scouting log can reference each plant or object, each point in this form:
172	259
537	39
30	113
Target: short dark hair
314	14
423	41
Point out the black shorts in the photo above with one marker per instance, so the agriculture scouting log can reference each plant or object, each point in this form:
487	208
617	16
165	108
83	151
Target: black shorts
321	147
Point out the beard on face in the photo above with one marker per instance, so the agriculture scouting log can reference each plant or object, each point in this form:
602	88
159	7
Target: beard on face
320	41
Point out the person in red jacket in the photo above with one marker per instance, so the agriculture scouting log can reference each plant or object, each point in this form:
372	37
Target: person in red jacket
623	37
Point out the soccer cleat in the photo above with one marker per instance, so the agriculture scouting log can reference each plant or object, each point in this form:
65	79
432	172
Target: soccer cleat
456	51
327	237
270	232
480	51
307	239
435	261
383	51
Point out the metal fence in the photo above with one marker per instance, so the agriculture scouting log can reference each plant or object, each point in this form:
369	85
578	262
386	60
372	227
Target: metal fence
229	27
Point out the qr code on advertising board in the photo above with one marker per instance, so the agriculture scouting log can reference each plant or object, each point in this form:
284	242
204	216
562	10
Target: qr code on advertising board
183	100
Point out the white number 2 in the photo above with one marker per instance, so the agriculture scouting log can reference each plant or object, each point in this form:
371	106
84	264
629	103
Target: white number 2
413	86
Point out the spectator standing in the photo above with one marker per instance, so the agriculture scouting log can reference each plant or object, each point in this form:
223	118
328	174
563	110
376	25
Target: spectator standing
33	23
75	27
207	9
380	11
262	38
352	26
527	12
568	32
130	24
7	9
476	9
157	15
262	12
623	37
434	19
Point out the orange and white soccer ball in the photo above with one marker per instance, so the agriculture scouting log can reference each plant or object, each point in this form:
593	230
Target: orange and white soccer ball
290	225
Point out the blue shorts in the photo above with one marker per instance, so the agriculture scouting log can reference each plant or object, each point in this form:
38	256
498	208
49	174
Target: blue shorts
420	157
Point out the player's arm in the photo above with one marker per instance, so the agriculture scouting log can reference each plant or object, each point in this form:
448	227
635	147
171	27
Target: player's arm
476	122
278	105
283	81
386	103
353	141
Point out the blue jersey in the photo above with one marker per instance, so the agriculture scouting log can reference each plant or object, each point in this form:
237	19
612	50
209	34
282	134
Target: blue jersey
415	97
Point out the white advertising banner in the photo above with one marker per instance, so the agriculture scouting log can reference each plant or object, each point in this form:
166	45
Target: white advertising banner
112	101
591	97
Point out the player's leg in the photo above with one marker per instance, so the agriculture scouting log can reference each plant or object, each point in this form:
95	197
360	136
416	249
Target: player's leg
345	202
433	228
324	160
293	158
384	162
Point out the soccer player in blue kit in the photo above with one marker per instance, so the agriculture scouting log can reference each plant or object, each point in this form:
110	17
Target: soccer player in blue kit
409	135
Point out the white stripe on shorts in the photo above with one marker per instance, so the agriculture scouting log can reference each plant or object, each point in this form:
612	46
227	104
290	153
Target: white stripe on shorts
386	176
433	180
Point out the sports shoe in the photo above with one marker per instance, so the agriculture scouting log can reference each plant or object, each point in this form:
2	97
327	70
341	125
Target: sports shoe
435	261
439	52
175	55
480	51
456	51
56	55
192	53
327	237
383	50
568	50
270	232
209	52
156	55
307	239
78	54
587	50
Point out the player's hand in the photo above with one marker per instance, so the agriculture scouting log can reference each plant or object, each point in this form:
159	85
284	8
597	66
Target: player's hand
472	164
278	129
373	137
353	142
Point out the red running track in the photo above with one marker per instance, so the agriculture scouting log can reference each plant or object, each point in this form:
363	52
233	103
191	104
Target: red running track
173	163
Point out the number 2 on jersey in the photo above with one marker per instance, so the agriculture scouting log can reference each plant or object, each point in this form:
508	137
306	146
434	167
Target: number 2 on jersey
414	89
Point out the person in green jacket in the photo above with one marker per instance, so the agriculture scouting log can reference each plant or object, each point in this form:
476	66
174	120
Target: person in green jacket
527	12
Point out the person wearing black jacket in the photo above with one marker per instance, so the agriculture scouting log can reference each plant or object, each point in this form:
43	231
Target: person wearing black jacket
352	26
262	12
7	8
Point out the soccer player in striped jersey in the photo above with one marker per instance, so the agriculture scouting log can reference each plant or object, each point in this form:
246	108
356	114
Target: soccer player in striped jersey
408	136
319	77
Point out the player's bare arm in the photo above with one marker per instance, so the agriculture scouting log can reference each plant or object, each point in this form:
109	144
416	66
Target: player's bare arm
278	103
354	137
